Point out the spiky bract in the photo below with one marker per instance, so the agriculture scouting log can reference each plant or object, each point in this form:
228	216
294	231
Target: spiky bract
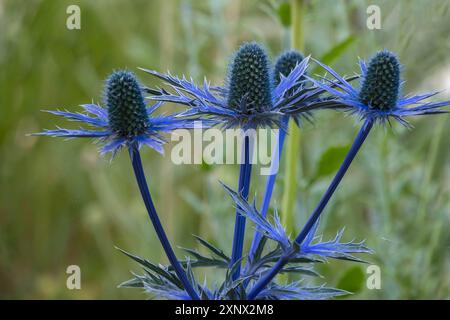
285	63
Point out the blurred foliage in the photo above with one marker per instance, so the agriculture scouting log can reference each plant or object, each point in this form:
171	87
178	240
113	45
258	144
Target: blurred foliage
61	204
352	280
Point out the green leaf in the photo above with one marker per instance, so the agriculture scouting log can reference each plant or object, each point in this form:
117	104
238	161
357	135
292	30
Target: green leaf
330	161
284	14
352	280
307	271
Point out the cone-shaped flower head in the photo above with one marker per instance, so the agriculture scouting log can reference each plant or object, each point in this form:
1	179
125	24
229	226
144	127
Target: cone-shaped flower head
252	97
249	79
380	86
285	63
127	113
125	120
379	98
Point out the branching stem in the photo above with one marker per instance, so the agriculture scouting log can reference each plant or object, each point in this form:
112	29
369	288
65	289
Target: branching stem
360	138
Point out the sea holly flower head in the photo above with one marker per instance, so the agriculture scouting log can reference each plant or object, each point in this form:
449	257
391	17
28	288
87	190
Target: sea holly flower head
285	63
125	120
127	113
249	86
378	98
381	82
250	98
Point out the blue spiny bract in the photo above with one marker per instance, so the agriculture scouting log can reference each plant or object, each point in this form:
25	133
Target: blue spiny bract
285	63
380	87
248	99
126	107
379	98
125	121
249	80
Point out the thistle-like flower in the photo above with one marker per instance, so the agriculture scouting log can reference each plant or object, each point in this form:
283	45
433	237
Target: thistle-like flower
285	63
379	97
250	98
378	100
159	280
249	83
125	120
289	251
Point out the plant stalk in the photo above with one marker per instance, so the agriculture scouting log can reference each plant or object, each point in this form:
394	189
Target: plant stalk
360	138
146	197
239	226
270	183
293	146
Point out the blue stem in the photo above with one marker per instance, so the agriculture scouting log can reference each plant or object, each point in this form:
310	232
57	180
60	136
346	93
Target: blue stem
362	135
270	183
143	187
239	226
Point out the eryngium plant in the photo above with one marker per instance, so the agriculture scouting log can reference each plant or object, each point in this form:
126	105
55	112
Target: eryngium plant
254	96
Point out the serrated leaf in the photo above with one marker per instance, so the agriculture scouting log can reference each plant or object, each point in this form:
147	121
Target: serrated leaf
300	270
150	266
212	248
305	259
132	283
202	261
259	250
333	248
205	263
273	230
295	291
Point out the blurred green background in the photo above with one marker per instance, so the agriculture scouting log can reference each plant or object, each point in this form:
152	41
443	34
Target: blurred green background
62	204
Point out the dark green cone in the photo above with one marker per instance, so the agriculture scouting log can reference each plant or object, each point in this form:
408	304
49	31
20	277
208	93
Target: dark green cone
126	107
249	78
380	87
285	63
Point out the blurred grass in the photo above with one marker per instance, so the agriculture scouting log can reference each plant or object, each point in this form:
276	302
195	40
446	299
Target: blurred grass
61	204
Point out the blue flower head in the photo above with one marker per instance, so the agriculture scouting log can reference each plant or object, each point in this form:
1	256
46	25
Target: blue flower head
249	99
381	82
127	112
126	120
379	99
285	63
249	87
